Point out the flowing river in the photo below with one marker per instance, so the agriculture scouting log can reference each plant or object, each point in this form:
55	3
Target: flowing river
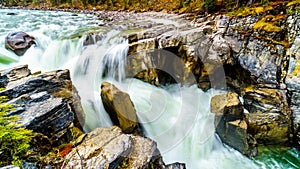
177	118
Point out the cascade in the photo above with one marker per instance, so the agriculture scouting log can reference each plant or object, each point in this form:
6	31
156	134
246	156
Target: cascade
179	120
177	117
95	61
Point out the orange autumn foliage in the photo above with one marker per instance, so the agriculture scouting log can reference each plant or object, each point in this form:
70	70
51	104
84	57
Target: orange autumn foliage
66	149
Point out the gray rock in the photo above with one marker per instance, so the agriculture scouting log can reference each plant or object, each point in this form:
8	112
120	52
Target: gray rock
19	42
110	148
295	102
101	148
143	154
47	103
293	76
52	117
265	100
27	165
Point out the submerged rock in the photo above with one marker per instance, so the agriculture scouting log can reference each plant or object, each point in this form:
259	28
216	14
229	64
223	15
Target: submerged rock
119	107
230	124
47	103
176	166
92	38
11	13
19	42
110	148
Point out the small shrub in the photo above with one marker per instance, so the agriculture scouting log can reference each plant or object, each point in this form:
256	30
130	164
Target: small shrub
208	5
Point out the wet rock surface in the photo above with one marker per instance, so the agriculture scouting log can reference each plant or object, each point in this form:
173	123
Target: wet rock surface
231	125
19	42
269	115
119	107
47	103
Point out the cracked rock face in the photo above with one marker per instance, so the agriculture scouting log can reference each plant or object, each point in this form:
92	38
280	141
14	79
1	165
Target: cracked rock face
293	75
109	148
47	103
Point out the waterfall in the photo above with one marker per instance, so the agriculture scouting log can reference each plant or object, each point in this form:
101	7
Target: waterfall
177	117
96	61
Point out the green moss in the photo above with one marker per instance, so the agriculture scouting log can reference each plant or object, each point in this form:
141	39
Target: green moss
14	140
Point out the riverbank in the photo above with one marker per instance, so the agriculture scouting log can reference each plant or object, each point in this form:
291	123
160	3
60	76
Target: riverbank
177	7
239	10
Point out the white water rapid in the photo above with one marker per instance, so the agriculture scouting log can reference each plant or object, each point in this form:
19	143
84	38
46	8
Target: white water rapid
177	118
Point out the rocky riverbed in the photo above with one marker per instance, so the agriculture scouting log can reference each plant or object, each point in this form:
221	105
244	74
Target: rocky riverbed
260	67
238	53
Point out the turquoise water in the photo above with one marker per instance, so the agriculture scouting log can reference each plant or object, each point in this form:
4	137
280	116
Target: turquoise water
274	157
59	37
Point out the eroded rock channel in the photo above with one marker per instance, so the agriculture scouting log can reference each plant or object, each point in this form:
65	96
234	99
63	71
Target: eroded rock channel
257	68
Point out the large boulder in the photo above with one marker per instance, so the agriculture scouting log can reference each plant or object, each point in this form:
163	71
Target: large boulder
269	115
230	124
119	107
110	148
19	42
268	128
47	103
